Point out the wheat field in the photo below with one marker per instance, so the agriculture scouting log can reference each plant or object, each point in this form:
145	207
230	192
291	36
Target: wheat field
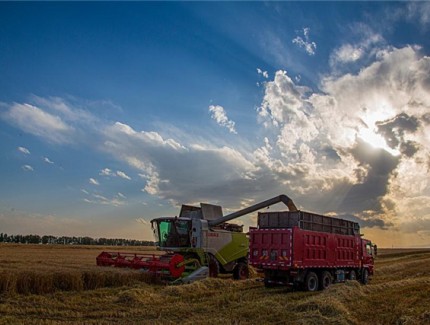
61	285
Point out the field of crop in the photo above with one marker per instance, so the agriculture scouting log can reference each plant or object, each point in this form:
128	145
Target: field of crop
61	285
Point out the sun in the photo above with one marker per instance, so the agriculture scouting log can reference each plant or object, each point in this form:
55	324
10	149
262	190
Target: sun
376	140
369	132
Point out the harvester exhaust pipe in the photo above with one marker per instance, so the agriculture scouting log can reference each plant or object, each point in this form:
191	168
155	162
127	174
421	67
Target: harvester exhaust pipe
281	198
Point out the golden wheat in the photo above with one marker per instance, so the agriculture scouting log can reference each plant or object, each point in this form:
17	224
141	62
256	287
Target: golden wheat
399	293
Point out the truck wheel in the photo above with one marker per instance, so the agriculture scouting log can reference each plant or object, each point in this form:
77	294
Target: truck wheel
268	284
326	280
352	275
311	282
365	276
241	271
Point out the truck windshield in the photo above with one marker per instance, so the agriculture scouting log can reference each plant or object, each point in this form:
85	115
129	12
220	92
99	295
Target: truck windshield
172	233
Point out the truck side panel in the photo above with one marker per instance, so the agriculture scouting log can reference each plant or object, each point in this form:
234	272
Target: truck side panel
319	249
294	248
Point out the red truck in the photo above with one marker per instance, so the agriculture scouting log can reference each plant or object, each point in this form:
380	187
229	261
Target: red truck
309	251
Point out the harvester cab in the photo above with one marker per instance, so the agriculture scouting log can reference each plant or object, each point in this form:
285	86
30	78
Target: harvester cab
197	244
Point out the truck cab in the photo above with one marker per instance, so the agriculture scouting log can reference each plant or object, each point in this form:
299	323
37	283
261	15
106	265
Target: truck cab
369	251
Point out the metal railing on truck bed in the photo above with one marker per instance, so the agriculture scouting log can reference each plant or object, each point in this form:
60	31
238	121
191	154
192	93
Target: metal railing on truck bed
307	221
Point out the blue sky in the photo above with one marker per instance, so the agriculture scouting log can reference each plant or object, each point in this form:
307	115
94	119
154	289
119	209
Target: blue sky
112	114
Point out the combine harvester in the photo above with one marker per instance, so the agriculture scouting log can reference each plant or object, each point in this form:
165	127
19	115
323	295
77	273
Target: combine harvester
198	244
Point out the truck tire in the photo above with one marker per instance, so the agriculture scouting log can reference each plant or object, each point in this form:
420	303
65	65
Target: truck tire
365	277
241	271
352	275
311	282
268	284
326	280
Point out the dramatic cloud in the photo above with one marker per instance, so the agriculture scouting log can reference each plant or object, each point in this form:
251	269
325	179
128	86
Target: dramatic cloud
360	141
220	116
24	150
177	172
305	43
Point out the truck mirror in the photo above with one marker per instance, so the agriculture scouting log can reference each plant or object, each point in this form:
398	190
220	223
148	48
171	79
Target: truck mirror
375	248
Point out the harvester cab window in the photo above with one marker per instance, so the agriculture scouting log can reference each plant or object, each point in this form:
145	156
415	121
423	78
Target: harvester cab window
174	233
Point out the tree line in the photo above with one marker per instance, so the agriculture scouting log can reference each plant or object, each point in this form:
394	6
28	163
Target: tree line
67	240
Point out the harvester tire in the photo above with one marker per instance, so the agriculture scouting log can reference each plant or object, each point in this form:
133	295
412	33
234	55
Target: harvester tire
241	271
213	267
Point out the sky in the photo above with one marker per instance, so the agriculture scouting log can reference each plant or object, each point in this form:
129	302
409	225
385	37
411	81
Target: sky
112	114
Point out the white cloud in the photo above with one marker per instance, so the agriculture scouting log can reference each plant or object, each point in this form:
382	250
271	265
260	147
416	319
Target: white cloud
265	74
220	116
36	121
123	175
47	160
305	43
369	44
121	195
24	150
419	11
93	181
106	172
283	100
179	172
103	200
27	168
348	53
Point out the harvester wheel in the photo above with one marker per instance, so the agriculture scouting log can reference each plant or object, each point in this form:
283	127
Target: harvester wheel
213	267
241	271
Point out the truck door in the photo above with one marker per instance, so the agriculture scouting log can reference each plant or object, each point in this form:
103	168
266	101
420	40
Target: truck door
367	255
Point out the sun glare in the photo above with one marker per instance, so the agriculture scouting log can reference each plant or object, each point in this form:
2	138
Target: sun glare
369	134
376	141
